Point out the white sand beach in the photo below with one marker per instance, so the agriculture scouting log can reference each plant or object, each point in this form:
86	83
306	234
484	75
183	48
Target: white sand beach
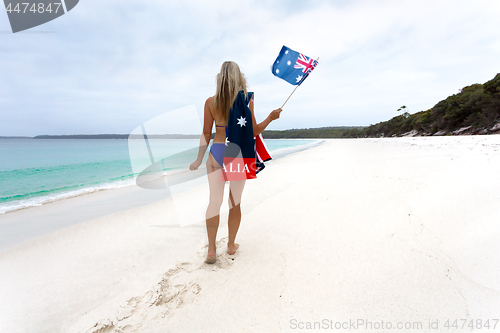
348	235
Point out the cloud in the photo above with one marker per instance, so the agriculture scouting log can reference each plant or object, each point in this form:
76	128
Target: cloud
113	65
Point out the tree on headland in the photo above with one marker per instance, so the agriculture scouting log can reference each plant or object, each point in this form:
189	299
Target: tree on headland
474	110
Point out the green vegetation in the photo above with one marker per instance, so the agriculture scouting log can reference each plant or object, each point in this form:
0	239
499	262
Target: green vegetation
313	133
474	110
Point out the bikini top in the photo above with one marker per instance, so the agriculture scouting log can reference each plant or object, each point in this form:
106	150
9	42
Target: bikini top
222	126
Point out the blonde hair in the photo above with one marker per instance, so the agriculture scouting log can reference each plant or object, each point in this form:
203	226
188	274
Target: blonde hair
230	81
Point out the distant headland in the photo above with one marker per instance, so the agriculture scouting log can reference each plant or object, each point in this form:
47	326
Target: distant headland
118	136
474	110
106	136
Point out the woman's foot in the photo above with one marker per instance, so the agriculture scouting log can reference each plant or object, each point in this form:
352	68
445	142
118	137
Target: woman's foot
231	249
210	257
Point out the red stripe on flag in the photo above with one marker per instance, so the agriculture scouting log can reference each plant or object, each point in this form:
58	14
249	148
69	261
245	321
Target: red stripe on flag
261	149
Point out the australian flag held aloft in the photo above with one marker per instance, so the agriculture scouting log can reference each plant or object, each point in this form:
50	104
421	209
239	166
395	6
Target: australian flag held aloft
292	66
244	154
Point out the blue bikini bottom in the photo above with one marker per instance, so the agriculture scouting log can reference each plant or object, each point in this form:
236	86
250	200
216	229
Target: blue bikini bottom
217	151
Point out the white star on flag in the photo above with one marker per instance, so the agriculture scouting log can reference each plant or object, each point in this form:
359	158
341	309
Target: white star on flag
289	63
299	78
242	121
286	52
227	141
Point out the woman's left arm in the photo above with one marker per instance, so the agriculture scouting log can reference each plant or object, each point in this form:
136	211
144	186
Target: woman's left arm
208	122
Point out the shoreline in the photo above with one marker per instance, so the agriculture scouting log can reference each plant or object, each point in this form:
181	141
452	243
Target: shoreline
28	223
37	201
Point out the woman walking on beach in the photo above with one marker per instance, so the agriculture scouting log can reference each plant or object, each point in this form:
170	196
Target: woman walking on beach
230	83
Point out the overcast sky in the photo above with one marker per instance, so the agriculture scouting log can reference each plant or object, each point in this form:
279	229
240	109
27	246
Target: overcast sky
109	66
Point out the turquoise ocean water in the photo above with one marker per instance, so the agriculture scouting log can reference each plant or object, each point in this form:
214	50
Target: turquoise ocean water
38	171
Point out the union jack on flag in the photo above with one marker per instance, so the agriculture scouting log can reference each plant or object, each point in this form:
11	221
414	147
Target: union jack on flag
296	74
306	64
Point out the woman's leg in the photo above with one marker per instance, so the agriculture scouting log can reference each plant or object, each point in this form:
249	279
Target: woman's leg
216	186
233	223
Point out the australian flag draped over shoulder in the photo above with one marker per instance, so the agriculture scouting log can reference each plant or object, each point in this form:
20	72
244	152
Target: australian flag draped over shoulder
244	155
292	66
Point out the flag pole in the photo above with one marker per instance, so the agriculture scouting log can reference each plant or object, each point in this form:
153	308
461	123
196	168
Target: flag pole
293	92
289	96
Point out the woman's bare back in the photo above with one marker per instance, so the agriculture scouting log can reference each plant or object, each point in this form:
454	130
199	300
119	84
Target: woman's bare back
220	127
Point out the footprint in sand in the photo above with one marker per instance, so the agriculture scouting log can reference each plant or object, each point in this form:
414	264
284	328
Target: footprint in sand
177	288
224	260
